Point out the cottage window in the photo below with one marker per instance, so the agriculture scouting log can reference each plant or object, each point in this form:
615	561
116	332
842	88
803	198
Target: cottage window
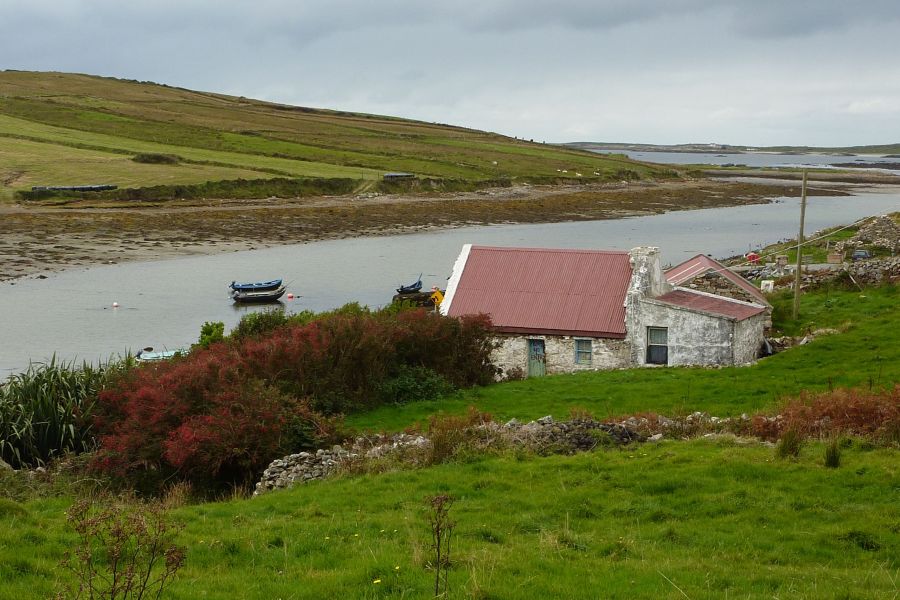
583	352
658	345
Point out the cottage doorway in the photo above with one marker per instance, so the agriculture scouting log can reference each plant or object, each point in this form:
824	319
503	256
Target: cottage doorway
537	363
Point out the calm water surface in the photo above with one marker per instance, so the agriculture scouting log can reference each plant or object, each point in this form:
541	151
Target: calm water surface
164	303
754	159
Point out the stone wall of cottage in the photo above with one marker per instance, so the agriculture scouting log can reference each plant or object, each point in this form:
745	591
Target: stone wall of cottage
511	355
693	338
748	338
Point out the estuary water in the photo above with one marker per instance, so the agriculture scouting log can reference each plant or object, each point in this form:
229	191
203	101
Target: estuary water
759	159
164	303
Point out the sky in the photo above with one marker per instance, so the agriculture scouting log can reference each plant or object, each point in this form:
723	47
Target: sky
753	72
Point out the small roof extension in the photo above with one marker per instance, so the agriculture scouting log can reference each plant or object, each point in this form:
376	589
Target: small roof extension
708	303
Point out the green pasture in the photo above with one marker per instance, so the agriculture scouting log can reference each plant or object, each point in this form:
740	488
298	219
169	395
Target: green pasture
703	519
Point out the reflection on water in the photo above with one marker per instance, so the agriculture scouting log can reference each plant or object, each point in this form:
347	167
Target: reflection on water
164	303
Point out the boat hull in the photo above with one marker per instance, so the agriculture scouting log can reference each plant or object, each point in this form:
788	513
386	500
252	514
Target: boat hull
258	296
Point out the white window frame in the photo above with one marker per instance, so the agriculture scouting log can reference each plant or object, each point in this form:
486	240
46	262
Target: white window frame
651	345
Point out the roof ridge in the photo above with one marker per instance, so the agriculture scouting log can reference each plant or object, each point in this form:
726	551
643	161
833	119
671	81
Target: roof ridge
556	250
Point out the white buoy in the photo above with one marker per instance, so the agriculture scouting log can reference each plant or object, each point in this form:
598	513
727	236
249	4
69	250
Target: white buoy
115	305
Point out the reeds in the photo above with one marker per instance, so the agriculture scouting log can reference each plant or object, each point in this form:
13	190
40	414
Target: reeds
46	411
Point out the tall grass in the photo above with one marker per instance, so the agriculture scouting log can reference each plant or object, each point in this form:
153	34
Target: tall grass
45	411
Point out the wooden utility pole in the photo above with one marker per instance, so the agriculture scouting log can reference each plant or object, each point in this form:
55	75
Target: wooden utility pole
796	312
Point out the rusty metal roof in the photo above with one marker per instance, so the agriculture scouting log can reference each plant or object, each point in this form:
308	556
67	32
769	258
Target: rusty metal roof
702	264
716	305
546	291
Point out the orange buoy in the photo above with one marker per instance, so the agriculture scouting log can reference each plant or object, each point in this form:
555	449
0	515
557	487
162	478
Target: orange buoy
290	296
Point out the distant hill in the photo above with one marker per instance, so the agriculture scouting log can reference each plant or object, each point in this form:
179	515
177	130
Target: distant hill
64	129
703	147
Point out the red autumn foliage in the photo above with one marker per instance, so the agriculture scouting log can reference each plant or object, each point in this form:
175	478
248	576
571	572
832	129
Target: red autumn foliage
869	413
220	414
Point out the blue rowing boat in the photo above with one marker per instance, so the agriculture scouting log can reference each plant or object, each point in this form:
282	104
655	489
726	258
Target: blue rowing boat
261	286
412	288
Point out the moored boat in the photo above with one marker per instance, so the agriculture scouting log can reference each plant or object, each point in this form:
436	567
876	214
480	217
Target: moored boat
270	295
412	288
260	286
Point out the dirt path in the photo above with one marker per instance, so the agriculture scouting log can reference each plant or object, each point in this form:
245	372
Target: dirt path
35	240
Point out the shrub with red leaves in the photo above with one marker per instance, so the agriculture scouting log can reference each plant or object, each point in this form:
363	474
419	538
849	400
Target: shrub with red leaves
220	414
870	413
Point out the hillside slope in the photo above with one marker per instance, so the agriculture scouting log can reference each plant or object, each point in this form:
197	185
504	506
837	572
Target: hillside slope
70	129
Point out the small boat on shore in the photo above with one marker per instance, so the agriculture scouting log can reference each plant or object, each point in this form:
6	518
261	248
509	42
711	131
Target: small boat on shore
412	288
270	295
260	286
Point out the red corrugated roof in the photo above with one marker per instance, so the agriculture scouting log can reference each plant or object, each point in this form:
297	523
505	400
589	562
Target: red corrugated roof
538	290
702	264
710	304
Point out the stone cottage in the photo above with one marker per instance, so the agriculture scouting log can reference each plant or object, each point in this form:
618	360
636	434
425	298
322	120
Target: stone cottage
558	311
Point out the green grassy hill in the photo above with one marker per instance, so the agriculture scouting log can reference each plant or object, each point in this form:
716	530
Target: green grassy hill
69	129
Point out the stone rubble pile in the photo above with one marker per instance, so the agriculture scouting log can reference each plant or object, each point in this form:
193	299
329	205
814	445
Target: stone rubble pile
564	437
875	271
879	231
308	466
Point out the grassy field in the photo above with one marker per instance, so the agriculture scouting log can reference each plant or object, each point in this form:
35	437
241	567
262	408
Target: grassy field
700	519
861	356
71	118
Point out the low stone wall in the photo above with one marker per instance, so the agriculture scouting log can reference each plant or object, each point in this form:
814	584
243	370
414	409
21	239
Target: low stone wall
879	231
544	436
876	270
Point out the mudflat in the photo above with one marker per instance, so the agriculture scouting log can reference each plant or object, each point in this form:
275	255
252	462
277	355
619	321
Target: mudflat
41	238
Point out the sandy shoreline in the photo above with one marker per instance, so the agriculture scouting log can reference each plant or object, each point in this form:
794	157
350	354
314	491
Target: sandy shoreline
38	240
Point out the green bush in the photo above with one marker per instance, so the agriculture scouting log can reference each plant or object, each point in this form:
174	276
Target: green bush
151	158
257	323
210	333
413	384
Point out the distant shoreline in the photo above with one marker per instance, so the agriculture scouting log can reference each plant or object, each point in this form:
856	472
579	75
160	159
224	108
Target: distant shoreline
39	240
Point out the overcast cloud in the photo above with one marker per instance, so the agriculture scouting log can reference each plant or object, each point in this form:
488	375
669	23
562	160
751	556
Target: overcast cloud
759	72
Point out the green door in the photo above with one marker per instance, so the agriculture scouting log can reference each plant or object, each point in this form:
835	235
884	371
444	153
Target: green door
537	364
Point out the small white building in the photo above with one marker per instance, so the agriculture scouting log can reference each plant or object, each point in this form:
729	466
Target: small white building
558	311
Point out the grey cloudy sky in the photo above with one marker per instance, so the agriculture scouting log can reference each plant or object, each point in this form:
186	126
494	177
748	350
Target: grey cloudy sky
759	72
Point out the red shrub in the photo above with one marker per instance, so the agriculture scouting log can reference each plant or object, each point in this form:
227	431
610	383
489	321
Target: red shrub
222	413
870	413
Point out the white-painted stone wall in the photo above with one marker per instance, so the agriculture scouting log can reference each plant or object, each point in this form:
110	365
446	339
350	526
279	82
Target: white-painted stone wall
695	338
748	338
512	353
